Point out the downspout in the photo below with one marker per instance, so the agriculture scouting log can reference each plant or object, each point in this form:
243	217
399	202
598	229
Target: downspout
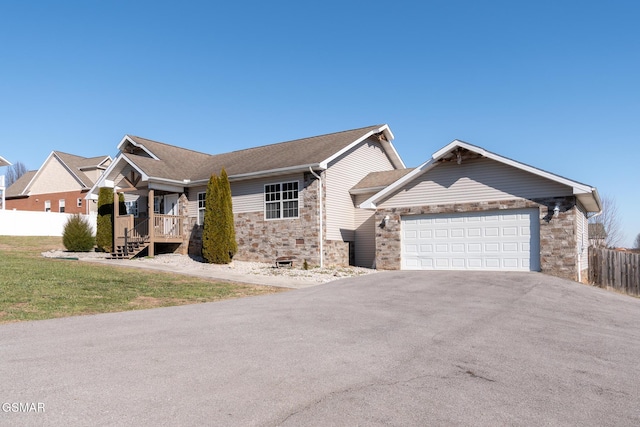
320	201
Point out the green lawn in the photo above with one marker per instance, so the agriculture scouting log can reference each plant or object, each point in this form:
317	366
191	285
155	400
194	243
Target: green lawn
34	288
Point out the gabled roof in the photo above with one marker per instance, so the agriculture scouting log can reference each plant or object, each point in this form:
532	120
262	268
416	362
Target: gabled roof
18	187
376	181
75	165
457	150
4	162
162	162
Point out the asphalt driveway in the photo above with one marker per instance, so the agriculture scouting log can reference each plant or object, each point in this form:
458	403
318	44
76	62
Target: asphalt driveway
396	348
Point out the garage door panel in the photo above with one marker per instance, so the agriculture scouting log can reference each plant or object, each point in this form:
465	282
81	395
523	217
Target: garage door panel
496	240
492	247
491	232
474	232
426	248
458	263
474	248
457	232
441	234
510	247
458	247
492	263
510	262
426	234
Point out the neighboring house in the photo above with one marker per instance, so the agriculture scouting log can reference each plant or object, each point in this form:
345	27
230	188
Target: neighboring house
280	208
3	162
60	185
465	208
597	235
470	209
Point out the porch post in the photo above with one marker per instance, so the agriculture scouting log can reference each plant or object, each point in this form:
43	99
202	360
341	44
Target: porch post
151	226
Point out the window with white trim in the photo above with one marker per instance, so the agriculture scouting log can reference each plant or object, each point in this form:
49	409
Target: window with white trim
47	205
202	203
132	208
61	205
281	200
79	202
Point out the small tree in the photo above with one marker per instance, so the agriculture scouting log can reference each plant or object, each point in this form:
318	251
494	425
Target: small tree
77	235
229	237
104	227
218	236
609	230
211	243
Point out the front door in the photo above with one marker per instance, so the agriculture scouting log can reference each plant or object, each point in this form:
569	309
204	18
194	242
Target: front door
171	208
171	204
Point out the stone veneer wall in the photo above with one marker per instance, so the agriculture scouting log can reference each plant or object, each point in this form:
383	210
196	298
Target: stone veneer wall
263	240
558	241
336	253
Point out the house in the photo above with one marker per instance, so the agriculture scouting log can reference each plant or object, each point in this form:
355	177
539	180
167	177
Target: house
290	199
468	208
60	185
3	162
597	235
347	198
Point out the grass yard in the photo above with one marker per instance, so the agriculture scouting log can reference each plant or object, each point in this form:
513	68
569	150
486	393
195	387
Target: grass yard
35	288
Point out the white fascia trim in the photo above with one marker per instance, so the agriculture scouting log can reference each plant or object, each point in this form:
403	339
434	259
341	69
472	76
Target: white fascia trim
4	162
70	170
154	185
127	138
367	190
577	187
112	166
28	186
385	128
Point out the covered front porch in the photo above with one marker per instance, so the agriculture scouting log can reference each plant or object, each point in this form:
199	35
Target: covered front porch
162	220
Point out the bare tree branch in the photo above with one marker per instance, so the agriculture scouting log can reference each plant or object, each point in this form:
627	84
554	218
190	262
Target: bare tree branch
609	230
14	172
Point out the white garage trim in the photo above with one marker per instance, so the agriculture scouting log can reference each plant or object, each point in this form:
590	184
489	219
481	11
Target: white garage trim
507	240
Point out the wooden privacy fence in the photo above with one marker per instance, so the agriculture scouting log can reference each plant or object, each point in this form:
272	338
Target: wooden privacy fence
615	269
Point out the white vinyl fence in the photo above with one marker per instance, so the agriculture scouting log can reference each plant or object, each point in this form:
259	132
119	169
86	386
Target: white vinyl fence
27	223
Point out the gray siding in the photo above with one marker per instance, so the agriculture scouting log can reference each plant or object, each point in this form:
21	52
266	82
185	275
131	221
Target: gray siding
342	174
477	180
193	200
365	233
247	196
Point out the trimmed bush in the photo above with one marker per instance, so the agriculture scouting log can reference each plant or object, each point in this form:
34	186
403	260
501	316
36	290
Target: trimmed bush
218	235
77	235
226	206
104	228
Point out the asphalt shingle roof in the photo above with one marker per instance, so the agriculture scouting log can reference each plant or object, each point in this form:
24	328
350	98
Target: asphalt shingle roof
179	163
20	184
381	178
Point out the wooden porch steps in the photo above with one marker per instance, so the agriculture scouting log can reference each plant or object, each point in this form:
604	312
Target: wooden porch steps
133	249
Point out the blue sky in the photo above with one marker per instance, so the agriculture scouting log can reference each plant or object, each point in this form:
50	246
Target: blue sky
553	84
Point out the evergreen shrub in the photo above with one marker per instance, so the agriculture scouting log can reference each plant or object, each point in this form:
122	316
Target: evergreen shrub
77	235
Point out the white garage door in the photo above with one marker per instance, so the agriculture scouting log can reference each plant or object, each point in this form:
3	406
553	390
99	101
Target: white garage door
498	240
